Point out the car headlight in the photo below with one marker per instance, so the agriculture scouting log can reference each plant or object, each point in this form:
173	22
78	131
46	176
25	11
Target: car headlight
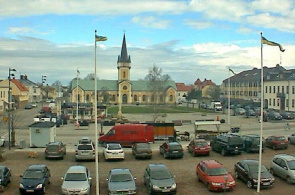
232	183
272	179
84	189
217	184
173	186
255	180
21	185
156	187
39	186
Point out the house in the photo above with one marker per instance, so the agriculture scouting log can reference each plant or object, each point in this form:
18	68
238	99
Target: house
34	89
205	86
183	90
41	133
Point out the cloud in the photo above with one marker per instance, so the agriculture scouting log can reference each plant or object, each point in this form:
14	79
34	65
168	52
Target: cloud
26	31
151	22
199	24
245	30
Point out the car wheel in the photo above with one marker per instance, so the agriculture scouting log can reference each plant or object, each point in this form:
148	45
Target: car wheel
208	186
289	180
272	172
237	175
223	152
150	190
249	184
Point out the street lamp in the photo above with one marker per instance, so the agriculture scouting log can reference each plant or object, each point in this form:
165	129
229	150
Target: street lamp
225	182
10	129
43	79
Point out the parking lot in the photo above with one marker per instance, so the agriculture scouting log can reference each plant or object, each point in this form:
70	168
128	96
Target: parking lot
183	169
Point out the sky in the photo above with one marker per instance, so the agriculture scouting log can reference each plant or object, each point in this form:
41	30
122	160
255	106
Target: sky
187	39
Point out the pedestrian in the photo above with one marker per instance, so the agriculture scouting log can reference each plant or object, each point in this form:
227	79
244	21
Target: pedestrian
287	127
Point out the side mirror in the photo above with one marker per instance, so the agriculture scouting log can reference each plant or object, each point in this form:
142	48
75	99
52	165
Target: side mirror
62	178
21	176
134	178
107	179
286	168
90	178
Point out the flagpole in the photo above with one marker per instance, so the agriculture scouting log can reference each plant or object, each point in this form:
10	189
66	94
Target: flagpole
95	119
77	110
228	105
261	118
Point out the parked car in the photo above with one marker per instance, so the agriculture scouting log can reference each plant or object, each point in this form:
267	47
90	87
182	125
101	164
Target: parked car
171	150
113	151
199	147
283	165
291	138
142	150
247	171
227	144
240	111
252	143
273	115
85	150
287	115
159	179
55	150
121	181
35	179
34	104
276	142
214	176
77	180
250	112
28	106
5	175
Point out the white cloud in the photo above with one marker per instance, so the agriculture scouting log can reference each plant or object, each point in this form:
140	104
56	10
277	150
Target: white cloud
199	24
25	31
151	22
244	30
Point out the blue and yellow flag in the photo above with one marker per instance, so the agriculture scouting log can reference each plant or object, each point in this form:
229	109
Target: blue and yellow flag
100	38
265	41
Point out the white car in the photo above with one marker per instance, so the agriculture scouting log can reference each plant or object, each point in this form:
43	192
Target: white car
77	180
291	138
113	151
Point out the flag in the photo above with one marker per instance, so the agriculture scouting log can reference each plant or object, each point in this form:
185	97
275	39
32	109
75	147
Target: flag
265	41
231	71
100	38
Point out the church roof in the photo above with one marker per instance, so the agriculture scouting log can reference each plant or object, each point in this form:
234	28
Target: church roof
124	55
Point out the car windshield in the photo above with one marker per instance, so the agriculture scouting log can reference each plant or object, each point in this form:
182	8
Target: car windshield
75	177
85	147
120	178
235	140
254	168
52	148
201	144
280	138
114	147
256	140
160	174
33	174
143	146
175	147
291	164
217	171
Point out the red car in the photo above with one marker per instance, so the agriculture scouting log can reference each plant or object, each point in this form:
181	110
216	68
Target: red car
214	176
277	142
199	147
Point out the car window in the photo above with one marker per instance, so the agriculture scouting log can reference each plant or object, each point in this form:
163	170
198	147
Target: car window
277	161
160	174
84	147
291	164
217	171
201	144
280	138
120	178
33	174
283	164
75	177
52	148
111	132
114	147
235	140
175	147
143	146
254	168
203	168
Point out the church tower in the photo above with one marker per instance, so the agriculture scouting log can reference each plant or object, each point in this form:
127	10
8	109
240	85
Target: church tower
124	84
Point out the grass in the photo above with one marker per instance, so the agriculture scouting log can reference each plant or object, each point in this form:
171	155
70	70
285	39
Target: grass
158	109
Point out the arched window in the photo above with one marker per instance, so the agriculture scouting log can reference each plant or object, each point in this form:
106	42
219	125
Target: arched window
144	98
171	98
87	98
135	98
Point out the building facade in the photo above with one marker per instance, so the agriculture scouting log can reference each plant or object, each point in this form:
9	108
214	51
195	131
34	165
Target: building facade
123	90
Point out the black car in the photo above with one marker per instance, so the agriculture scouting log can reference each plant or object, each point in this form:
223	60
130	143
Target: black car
247	171
252	143
159	179
35	179
227	144
273	115
287	115
142	150
171	150
5	174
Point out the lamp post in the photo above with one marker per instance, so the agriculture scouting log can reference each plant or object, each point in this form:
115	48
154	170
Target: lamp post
96	38
43	80
225	182
10	129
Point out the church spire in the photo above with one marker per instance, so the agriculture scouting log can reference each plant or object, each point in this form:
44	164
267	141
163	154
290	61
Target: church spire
124	56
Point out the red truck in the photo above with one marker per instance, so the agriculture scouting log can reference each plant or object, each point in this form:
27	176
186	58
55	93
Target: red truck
128	134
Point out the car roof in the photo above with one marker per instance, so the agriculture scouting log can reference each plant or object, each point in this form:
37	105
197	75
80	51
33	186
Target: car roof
157	166
212	163
120	171
76	169
199	140
54	143
285	157
251	135
37	167
114	144
173	143
250	162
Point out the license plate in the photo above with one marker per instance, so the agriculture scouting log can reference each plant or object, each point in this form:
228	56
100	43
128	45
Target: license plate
175	151
29	190
115	153
266	184
202	148
166	190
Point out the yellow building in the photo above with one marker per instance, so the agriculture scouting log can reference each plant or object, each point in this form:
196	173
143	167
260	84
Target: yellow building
123	89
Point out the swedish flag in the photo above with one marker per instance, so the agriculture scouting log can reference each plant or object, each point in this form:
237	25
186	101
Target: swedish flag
265	41
100	38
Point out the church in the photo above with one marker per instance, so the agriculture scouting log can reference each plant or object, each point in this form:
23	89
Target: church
123	90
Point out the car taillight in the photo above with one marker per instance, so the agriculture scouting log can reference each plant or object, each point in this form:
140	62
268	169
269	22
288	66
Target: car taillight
93	151
76	152
59	149
121	152
181	149
46	151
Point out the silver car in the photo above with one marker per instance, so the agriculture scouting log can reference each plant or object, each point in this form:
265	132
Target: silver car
283	165
77	181
85	151
121	181
291	138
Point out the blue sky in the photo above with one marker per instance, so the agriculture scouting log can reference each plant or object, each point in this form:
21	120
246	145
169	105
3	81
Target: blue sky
187	39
